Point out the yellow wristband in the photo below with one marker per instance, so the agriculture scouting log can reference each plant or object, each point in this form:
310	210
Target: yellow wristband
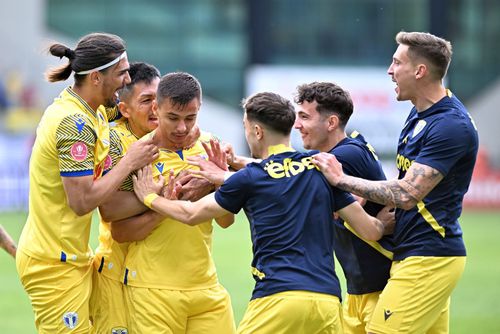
148	200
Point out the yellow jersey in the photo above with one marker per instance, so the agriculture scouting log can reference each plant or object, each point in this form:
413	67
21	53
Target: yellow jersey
71	140
109	254
174	256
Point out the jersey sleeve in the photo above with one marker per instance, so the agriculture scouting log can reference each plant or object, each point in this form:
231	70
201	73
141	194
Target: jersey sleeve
446	142
75	143
233	194
341	199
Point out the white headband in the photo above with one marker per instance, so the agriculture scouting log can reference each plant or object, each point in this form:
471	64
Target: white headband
102	67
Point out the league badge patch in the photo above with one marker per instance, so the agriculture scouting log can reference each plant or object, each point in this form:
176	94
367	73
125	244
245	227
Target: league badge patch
108	162
119	330
79	151
70	319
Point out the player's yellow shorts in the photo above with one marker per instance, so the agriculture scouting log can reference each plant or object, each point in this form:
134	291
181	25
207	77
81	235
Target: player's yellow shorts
59	294
416	297
206	311
108	307
357	312
293	312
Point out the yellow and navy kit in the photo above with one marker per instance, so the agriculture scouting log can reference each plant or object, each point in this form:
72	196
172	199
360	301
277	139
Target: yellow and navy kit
174	256
290	206
366	264
72	140
443	137
110	255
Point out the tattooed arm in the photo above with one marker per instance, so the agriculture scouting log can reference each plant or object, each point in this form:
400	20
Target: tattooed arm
404	193
7	243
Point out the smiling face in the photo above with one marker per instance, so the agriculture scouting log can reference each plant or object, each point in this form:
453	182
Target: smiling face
137	107
402	72
176	121
313	127
113	80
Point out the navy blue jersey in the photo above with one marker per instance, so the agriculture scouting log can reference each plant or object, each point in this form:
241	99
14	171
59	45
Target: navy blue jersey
443	137
290	206
366	264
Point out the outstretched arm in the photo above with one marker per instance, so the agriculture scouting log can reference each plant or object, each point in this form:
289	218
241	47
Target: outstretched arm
191	213
404	193
7	243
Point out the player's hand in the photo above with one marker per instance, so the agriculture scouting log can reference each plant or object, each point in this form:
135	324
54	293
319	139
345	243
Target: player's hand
144	183
192	137
329	166
140	154
216	154
208	170
388	217
229	150
173	188
193	188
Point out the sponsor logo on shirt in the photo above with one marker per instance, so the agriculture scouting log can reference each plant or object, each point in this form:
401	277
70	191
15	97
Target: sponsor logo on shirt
403	163
79	151
119	330
288	168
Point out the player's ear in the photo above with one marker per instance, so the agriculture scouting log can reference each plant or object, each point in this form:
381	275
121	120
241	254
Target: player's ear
420	71
95	78
333	122
122	106
258	130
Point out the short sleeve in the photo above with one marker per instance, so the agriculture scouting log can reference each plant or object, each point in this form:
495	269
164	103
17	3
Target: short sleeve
75	143
341	199
447	141
234	193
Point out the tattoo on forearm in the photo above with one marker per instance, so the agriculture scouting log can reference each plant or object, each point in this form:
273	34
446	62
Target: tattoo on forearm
384	192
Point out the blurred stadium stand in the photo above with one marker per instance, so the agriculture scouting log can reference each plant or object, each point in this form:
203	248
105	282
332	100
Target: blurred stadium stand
222	41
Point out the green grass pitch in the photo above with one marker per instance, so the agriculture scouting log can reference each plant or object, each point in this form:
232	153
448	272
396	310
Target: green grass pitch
475	302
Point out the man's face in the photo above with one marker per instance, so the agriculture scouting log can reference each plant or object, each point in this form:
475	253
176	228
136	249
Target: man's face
402	72
137	107
313	127
114	79
175	121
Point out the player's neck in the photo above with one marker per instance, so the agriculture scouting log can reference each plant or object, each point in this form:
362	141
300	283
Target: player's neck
88	95
427	95
333	139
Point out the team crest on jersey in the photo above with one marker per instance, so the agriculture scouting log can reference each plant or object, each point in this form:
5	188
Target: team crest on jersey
70	319
79	125
419	127
119	330
159	166
79	151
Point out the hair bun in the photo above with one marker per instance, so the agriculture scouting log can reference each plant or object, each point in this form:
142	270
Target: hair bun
68	53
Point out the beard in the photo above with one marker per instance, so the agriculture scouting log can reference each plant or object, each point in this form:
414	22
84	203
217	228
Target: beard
110	103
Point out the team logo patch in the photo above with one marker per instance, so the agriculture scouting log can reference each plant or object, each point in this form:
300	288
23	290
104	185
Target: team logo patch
70	319
159	166
108	162
79	151
419	127
119	330
79	125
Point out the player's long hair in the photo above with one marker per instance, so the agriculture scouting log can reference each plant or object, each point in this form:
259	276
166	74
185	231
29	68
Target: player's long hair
93	50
